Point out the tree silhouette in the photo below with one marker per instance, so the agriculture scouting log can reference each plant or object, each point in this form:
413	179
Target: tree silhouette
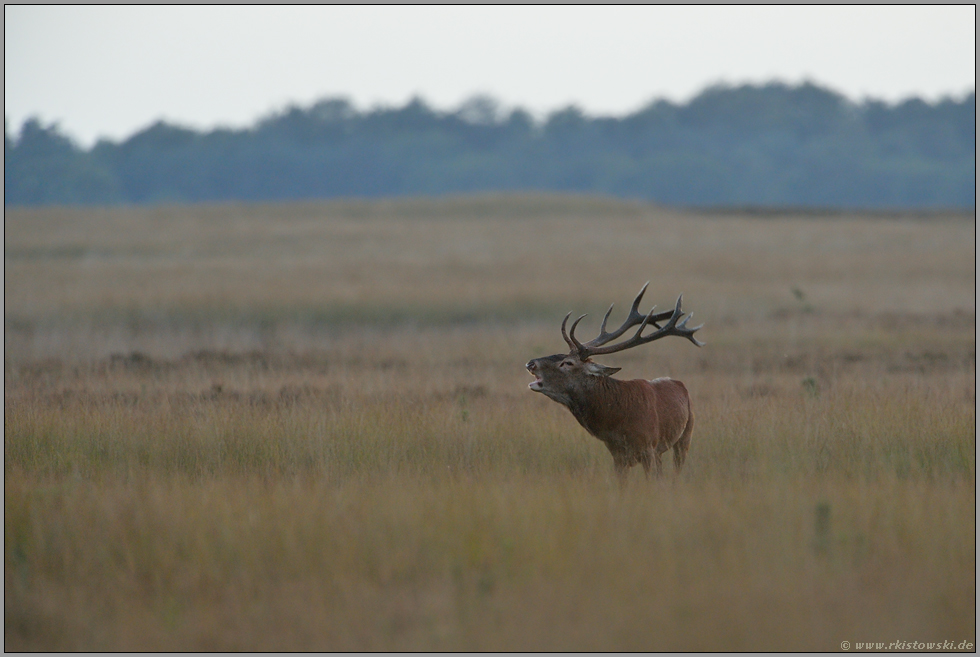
771	144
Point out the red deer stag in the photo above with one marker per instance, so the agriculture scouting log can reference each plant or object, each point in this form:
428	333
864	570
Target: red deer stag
637	420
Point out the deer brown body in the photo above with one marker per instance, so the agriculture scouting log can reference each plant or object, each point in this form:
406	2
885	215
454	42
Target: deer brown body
637	420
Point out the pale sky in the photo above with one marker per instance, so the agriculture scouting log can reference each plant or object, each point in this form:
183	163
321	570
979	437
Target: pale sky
110	71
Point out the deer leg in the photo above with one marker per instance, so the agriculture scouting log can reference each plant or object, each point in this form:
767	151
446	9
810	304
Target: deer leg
622	466
622	474
647	463
683	444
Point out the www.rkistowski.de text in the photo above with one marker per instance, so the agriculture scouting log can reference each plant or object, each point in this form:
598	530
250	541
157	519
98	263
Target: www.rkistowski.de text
908	645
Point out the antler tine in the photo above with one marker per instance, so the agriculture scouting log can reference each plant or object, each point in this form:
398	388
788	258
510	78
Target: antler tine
571	345
602	327
683	325
578	345
639	296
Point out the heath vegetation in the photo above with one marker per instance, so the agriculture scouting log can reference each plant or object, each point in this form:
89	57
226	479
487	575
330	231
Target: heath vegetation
307	427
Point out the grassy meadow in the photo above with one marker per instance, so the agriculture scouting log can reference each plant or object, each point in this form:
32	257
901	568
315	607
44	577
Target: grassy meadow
307	427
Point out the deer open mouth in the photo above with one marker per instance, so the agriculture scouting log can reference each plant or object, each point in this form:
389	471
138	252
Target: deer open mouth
538	382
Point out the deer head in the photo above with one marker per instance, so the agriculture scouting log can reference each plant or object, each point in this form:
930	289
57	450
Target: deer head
564	377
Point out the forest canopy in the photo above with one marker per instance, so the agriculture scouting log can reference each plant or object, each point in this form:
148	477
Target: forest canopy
750	145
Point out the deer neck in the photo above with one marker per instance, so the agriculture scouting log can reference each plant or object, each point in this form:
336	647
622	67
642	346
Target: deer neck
594	403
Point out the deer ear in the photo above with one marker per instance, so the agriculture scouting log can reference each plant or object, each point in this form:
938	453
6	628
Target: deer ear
595	369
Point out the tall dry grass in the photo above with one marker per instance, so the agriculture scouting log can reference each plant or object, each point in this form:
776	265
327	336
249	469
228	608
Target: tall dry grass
307	427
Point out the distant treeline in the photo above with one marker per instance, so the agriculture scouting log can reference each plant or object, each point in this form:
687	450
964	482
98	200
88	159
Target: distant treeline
750	145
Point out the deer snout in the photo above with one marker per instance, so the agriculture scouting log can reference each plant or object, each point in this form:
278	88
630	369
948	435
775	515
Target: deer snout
537	384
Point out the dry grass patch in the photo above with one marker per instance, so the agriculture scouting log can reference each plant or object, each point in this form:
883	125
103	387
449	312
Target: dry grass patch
307	427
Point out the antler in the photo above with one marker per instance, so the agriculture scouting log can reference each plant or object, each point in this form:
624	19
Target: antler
674	326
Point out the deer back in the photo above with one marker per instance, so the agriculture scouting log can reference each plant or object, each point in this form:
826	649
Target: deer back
639	413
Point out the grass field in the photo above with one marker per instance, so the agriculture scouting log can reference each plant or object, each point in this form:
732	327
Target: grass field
308	426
